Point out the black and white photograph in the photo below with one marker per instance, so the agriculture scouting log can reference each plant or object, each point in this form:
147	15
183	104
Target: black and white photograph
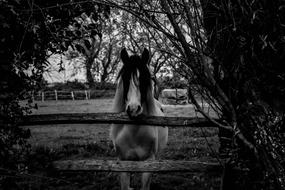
142	95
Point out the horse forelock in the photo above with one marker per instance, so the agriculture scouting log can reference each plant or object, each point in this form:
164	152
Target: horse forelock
130	71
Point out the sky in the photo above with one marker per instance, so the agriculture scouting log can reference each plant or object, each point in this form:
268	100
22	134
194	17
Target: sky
71	70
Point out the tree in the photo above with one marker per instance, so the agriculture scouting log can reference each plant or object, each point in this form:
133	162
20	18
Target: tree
108	60
234	51
29	32
86	39
107	65
137	35
250	54
99	50
165	59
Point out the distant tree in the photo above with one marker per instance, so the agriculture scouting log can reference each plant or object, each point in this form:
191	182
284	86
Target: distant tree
107	65
137	35
87	40
99	50
107	62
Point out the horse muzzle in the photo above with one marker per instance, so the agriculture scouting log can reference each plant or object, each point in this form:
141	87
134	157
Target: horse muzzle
134	110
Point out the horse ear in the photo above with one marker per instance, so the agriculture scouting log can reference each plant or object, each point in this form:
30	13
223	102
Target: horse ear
124	56
145	56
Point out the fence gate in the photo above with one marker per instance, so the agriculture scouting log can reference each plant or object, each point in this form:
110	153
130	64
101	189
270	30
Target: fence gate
126	166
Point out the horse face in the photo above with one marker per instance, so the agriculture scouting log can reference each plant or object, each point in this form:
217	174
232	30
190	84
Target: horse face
133	100
135	74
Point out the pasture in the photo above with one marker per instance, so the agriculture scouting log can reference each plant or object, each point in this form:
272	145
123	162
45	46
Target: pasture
55	142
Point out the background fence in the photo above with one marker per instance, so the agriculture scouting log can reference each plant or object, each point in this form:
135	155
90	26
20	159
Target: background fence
72	95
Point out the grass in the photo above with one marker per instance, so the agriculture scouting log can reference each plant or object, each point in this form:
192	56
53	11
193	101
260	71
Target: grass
76	141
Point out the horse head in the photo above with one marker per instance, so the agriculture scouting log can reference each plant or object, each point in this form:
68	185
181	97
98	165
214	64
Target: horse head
136	78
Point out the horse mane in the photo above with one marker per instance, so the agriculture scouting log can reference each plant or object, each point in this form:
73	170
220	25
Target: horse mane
145	84
131	69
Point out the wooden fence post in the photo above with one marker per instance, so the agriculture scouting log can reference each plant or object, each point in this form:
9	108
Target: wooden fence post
43	96
55	94
176	94
86	95
72	95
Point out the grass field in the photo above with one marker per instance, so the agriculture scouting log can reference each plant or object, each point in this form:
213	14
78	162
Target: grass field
77	141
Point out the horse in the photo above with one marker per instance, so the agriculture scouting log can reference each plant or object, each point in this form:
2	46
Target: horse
135	96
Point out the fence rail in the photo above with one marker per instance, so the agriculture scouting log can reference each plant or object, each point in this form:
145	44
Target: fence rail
59	95
135	166
126	166
116	118
70	95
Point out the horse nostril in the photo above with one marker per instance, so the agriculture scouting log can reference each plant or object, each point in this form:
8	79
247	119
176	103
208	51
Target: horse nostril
134	110
128	109
139	109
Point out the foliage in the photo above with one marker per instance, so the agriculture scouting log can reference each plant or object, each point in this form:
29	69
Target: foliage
29	32
250	54
69	85
172	82
60	17
85	37
99	50
107	62
138	35
22	60
76	85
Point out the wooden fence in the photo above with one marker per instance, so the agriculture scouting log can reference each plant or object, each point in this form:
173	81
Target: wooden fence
121	166
61	95
89	94
71	95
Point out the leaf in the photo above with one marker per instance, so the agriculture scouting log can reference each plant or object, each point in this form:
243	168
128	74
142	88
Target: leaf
77	25
94	33
78	33
95	17
87	44
80	48
92	26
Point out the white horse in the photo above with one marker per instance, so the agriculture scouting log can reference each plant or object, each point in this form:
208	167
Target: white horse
134	95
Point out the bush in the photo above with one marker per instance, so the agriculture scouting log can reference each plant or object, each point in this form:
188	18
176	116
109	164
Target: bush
102	94
169	82
76	85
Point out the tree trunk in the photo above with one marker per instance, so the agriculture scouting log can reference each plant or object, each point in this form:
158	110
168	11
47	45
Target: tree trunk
104	77
89	76
106	63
